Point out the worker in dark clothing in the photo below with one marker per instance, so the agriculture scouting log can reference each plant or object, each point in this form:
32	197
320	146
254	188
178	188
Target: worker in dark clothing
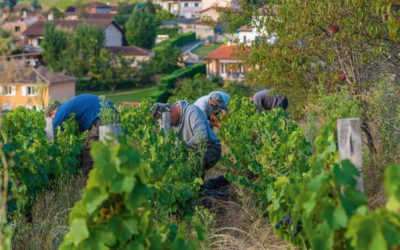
265	100
86	109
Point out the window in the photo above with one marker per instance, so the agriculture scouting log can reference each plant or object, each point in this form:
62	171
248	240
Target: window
8	90
29	91
186	5
244	39
17	29
196	5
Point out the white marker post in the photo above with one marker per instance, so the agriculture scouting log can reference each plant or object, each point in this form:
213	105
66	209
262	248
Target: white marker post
350	145
166	122
109	132
49	128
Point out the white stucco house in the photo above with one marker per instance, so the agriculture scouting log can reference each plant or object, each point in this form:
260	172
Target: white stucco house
182	8
247	35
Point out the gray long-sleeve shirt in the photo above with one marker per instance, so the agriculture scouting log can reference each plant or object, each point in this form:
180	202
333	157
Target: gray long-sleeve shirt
265	100
193	127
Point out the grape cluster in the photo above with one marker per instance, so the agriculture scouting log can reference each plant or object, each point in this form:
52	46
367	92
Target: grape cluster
287	221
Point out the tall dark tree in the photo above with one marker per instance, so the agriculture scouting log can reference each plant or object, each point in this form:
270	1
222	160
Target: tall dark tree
85	49
54	44
141	28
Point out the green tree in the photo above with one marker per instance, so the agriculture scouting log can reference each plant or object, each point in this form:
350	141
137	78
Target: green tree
317	43
54	44
320	44
112	70
166	59
36	4
164	15
85	49
57	13
141	28
191	89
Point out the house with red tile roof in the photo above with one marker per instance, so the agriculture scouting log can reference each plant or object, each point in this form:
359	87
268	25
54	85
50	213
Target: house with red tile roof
226	62
114	34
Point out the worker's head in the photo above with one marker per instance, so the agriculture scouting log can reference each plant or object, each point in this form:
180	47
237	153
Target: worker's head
217	101
175	113
51	110
159	108
284	103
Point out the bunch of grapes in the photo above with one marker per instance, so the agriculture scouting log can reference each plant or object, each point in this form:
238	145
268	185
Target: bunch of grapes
287	221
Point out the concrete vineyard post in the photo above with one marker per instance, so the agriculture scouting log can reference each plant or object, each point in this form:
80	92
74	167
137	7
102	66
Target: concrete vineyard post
49	128
350	145
166	122
109	132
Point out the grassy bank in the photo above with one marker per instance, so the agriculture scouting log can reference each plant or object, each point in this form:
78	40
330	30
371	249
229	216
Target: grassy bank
131	95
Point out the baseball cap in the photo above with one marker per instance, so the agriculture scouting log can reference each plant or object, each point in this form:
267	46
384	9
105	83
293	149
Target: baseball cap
158	108
219	100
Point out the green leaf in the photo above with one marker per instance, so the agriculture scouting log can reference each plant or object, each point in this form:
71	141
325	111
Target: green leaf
132	226
340	217
93	198
78	231
122	184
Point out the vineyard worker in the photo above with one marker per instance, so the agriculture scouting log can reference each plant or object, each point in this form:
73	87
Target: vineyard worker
86	110
265	100
192	127
212	104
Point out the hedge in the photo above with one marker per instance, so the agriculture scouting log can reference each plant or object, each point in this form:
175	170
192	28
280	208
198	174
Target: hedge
177	41
168	82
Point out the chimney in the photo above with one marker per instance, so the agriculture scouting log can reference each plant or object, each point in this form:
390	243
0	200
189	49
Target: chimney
50	17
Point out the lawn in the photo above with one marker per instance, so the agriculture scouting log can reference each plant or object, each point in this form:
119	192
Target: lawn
205	50
132	95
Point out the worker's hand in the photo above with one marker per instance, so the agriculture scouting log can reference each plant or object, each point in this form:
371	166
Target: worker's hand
215	124
214	118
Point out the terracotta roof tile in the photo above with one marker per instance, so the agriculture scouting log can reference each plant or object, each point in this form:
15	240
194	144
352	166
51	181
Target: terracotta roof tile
225	52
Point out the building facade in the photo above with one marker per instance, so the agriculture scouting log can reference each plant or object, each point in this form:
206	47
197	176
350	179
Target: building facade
225	62
113	33
35	88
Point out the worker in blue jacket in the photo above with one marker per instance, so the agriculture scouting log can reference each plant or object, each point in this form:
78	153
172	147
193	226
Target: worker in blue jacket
86	109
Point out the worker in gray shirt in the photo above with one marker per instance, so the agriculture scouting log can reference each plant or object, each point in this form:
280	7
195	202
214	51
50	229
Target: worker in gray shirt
266	100
213	104
192	127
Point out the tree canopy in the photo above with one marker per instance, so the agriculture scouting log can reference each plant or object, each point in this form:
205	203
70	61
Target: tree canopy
141	28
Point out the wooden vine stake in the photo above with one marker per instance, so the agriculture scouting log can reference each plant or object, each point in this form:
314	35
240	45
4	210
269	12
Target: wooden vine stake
350	145
166	122
49	128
